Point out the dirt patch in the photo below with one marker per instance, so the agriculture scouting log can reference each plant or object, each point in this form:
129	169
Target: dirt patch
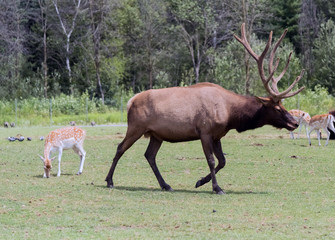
257	145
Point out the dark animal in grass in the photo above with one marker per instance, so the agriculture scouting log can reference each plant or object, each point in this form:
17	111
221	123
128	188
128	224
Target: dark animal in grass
6	124
204	112
11	139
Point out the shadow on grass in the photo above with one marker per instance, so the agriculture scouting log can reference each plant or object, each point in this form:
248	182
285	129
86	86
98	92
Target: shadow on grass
144	189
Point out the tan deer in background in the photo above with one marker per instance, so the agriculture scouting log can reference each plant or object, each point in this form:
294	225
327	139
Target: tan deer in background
205	112
62	139
302	118
318	122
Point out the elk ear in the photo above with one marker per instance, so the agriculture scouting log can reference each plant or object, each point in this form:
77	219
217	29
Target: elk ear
263	100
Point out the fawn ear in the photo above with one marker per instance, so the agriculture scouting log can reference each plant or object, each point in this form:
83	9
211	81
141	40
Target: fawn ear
52	159
41	157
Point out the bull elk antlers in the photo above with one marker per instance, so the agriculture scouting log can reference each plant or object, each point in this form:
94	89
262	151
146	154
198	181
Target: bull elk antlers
273	89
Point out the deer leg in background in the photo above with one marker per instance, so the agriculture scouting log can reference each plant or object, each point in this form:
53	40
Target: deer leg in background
299	130
217	149
318	133
292	135
309	136
128	141
150	155
60	152
81	152
328	135
306	128
208	147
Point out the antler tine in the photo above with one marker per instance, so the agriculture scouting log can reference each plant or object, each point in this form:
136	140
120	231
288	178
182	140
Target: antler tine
243	40
259	59
273	90
276	80
285	94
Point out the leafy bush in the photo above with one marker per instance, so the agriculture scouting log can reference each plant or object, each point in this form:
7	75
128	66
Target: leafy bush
317	101
62	109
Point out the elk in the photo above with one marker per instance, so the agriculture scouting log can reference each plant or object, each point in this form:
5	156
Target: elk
62	139
302	118
318	122
205	112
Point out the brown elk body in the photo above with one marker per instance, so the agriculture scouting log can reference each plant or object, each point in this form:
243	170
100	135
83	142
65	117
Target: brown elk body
204	112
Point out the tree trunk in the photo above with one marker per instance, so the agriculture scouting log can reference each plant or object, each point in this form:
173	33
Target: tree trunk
68	36
68	66
45	64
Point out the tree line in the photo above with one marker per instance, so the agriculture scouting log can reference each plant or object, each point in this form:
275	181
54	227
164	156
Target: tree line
104	48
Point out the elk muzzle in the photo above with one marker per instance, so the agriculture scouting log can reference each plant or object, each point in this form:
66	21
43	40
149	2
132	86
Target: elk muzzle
292	124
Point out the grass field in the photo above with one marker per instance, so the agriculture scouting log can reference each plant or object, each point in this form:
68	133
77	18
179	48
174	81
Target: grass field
277	188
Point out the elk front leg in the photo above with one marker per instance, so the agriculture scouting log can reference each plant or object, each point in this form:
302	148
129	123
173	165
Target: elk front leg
209	146
150	155
217	148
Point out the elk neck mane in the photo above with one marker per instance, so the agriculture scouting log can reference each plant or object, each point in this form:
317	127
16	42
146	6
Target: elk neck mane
247	113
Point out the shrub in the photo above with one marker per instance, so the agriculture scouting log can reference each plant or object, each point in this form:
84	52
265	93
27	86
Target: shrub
82	109
317	101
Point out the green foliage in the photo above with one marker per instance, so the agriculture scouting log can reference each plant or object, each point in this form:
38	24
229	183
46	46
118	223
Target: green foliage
314	102
144	44
324	51
63	109
287	16
229	73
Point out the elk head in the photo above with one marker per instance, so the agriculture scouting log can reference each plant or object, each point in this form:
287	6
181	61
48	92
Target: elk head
276	115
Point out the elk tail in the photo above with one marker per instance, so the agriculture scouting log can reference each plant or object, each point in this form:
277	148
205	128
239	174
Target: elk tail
130	102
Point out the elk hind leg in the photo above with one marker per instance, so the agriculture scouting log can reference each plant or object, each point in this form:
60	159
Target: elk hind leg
131	137
150	155
217	149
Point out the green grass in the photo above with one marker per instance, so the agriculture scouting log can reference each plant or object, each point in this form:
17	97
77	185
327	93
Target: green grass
277	188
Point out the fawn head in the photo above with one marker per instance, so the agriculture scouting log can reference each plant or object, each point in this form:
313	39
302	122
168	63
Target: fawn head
47	165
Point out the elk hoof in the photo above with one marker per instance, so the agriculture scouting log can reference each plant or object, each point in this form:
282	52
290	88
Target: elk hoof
78	173
109	183
167	188
218	191
221	192
199	183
